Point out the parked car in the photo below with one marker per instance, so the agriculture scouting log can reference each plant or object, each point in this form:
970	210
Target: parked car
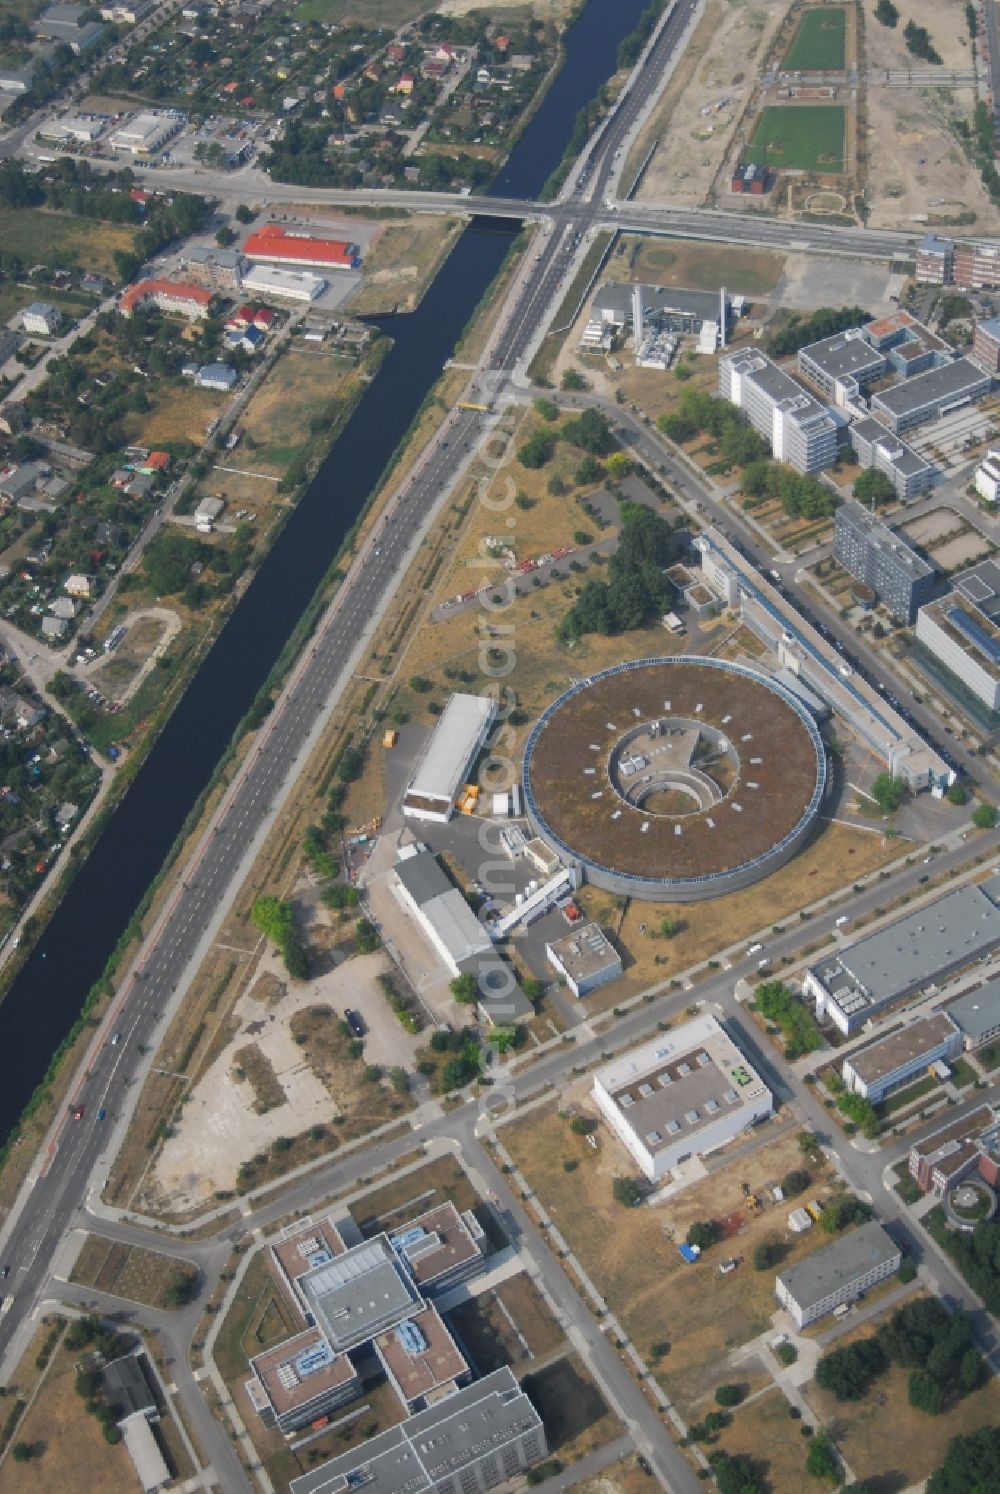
355	1023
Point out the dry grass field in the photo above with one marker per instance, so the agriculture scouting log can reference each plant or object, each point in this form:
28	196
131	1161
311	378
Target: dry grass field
413	1193
884	1436
763	1431
748	272
401	262
127	1271
70	1450
693	1316
625	1477
181	413
277	421
62	240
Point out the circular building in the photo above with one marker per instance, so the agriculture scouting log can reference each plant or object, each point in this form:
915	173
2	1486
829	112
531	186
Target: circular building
675	779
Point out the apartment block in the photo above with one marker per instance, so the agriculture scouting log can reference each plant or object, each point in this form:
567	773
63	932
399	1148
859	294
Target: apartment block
801	430
882	560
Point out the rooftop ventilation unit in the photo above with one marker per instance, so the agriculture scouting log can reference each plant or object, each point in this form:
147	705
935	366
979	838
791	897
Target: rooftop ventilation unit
411	1338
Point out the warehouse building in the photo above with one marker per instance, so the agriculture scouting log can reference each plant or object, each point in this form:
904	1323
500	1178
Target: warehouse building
962	630
915	953
584	959
686	1093
874	446
891	1062
977	1014
468	1442
930	395
448	757
283	285
801	431
283	246
842	366
441	911
882	560
838	1273
147	133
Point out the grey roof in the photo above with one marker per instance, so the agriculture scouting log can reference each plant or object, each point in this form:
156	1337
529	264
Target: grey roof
838	1264
360	1293
933	244
21	481
144	1450
878	1060
991	326
914	951
423	878
980	585
892	447
500	999
950	381
429	1447
784	391
977	1012
657	300
853	515
205	254
843	353
126	1386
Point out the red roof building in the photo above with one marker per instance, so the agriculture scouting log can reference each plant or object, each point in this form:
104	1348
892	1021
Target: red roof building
277	245
167	295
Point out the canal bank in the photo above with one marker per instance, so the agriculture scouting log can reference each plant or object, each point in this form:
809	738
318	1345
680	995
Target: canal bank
50	989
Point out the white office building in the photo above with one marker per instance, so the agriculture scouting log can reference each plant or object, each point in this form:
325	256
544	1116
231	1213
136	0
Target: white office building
962	630
686	1093
890	1063
838	1273
801	431
987	478
585	959
270	283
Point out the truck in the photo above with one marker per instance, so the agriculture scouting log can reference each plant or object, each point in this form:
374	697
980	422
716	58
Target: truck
689	1253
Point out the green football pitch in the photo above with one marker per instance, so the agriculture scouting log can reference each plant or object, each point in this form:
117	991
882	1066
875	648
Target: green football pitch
805	138
818	43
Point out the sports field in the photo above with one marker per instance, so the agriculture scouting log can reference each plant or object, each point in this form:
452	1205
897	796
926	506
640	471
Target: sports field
805	138
818	43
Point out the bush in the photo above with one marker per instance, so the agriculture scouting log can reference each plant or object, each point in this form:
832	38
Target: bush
702	1234
796	1181
786	1354
984	817
730	1395
627	1192
776	1003
821	1460
888	792
766	1255
581	1125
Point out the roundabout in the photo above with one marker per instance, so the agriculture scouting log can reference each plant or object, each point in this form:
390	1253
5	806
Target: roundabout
675	779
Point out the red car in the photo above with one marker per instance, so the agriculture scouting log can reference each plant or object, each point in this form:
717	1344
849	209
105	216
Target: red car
78	1113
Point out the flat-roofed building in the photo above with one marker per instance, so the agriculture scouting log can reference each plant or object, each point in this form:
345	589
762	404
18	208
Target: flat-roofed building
915	953
127	1385
934	260
283	285
842	366
303	1379
889	1063
975	266
445	917
928	396
686	1093
305	1247
977	1014
906	469
359	1294
147	133
987	478
585	959
962	630
801	430
986	346
454	745
838	1273
144	1450
870	550
471	1441
285	246
422	1361
950	1153
218	269
440	1248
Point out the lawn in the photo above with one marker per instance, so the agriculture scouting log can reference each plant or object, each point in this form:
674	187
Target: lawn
762	1431
810	138
707	267
414	1193
818	43
300	389
59	239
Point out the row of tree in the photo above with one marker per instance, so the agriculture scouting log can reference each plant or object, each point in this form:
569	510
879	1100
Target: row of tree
637	591
923	1337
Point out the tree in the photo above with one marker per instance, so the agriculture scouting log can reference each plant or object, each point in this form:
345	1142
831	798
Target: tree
626	1191
971	1465
918	41
958	794
537	450
22	1452
766	1255
735	1474
984	816
702	1234
276	921
225	237
464	988
669	927
244	214
873	487
582	1125
926	1393
547	409
729	1395
181	1288
886	14
863	1114
848	1373
592	433
808	1143
798	331
796	1181
458	1071
887	792
821	1460
573	380
88	1383
366	936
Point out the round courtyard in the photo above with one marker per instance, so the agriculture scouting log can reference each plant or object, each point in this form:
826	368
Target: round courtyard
675	779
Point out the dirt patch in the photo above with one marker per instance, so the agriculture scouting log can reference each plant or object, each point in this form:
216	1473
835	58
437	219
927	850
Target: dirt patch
962	551
574	1412
254	1067
696	120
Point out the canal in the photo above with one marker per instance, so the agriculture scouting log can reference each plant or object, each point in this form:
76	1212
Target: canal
49	991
